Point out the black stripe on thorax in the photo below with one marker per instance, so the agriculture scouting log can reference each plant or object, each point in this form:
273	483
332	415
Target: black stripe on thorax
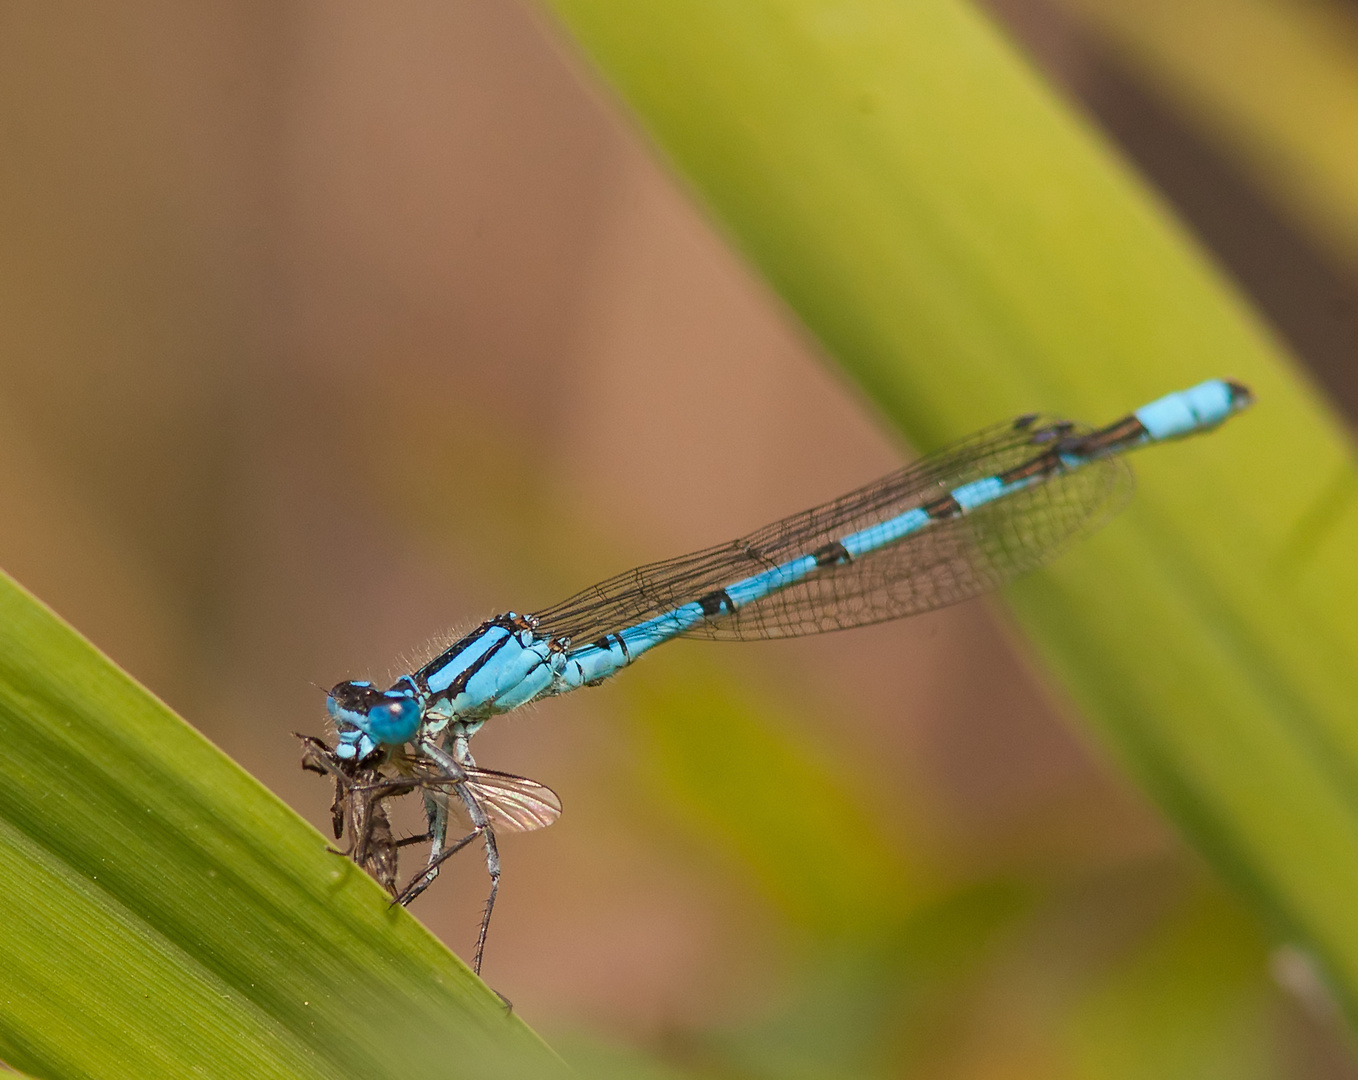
450	655
464	676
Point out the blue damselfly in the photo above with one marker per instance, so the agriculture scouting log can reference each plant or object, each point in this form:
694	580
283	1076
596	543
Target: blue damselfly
952	525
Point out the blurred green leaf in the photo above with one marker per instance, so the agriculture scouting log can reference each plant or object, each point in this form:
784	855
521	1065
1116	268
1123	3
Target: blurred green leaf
966	250
753	784
1189	1004
1273	82
167	916
877	1007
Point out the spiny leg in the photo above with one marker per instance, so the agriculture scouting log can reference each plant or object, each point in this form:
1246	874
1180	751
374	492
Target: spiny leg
463	754
493	866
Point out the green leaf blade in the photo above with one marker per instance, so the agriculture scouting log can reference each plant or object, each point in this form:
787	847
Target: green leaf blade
169	915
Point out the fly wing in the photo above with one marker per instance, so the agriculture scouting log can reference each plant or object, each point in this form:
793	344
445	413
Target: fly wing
949	561
514	803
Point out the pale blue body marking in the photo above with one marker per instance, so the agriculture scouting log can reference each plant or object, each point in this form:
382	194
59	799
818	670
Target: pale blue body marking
860	543
512	660
1197	409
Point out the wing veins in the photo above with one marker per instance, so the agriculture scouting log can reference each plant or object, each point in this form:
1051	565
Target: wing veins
825	600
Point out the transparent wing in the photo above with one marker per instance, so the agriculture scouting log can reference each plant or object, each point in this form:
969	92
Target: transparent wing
513	803
952	560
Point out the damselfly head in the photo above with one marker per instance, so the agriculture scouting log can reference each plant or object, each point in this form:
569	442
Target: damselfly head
367	718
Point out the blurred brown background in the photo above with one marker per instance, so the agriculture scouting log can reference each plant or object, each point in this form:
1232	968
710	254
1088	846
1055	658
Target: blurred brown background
328	328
